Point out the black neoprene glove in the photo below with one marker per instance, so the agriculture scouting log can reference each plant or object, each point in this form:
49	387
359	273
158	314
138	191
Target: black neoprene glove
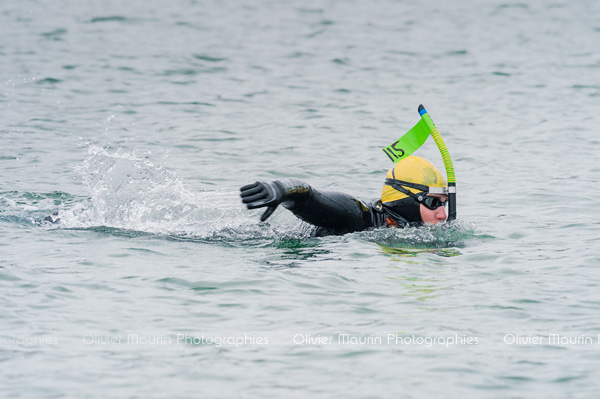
261	194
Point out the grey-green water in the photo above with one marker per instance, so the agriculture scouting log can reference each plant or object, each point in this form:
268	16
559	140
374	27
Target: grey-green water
138	122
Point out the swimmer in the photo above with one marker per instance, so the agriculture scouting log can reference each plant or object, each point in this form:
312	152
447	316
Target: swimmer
414	194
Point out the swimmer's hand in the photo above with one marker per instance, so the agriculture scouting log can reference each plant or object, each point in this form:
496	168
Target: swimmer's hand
261	194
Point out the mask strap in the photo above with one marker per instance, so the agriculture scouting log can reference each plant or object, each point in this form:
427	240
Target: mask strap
393	182
397	184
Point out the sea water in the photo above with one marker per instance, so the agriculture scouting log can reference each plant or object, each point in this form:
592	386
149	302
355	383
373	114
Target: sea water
137	122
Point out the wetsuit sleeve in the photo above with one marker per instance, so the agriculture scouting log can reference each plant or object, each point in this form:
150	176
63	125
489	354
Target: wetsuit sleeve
337	212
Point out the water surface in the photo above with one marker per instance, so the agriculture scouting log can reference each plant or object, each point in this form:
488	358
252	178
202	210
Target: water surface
138	123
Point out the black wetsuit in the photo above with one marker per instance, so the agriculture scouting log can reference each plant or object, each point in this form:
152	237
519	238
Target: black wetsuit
333	213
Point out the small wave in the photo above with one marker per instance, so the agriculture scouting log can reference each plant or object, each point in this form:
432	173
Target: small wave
30	208
208	58
48	81
56	34
454	234
112	18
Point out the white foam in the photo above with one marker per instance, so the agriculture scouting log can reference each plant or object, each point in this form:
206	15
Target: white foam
129	192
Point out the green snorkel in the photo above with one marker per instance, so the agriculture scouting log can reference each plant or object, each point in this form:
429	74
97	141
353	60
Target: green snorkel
414	139
437	137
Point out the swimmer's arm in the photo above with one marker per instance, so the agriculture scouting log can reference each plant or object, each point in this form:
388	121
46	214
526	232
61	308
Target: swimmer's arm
333	210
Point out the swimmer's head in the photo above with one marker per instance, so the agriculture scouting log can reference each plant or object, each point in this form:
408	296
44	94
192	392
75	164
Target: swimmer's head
415	190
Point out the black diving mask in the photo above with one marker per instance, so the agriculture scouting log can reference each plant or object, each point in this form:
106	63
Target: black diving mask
433	203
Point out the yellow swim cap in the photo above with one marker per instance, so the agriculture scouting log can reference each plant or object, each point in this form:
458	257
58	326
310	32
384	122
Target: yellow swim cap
412	169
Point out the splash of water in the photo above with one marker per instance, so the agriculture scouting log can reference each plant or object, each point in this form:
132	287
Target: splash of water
131	193
442	235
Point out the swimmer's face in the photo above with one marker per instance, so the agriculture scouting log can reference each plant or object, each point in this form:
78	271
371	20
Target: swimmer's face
436	215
